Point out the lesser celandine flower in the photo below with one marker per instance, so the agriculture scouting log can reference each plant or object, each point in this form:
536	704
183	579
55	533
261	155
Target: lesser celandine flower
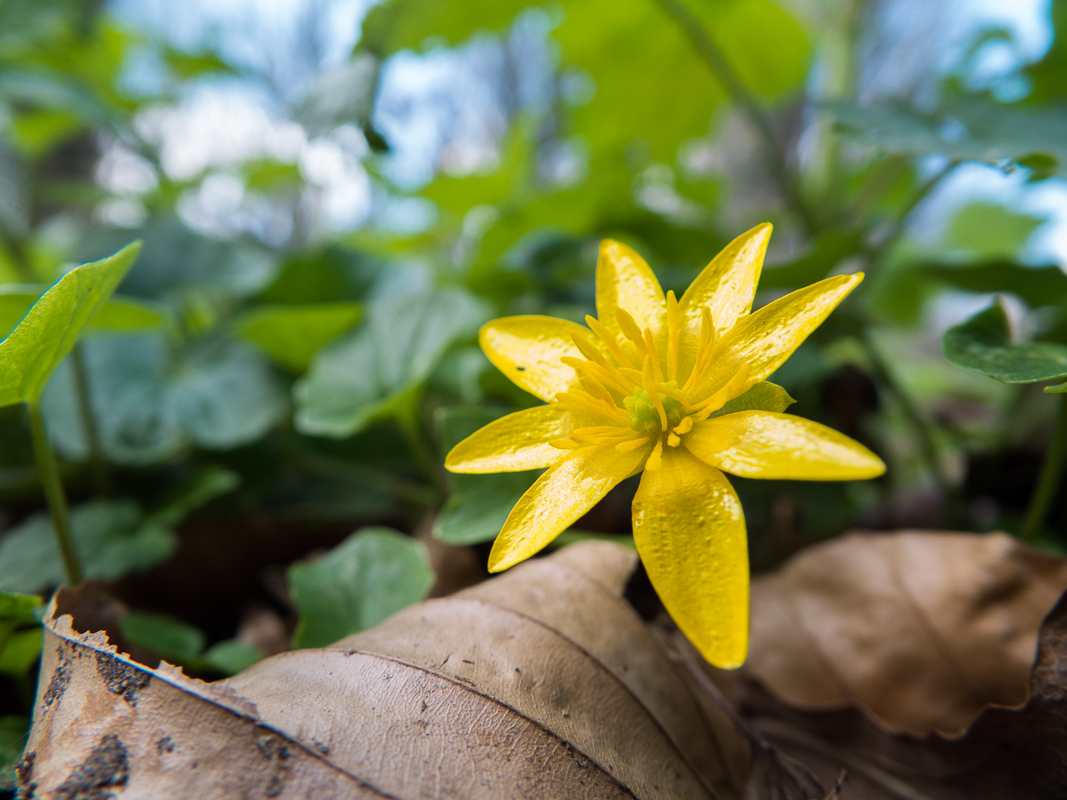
676	388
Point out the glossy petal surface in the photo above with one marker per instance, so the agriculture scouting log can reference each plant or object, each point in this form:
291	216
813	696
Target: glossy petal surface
762	444
766	338
624	280
514	443
728	284
528	351
690	532
558	498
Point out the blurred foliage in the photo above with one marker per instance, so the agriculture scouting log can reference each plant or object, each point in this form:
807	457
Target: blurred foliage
279	380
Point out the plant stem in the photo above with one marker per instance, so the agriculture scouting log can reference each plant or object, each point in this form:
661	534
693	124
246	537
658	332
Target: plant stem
84	399
749	105
1049	481
716	60
57	501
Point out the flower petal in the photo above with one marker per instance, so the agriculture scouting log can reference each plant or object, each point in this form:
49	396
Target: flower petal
690	532
559	497
764	444
624	280
514	443
728	284
528	351
766	338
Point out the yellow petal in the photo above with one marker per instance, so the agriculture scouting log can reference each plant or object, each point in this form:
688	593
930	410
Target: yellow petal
728	284
767	337
558	498
690	532
624	280
764	444
517	442
528	351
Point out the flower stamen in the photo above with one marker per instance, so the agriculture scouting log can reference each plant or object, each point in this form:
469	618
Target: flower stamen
672	335
707	339
584	403
632	444
724	395
605	336
630	329
650	381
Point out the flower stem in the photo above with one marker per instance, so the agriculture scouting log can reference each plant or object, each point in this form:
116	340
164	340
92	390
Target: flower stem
83	397
57	501
1049	481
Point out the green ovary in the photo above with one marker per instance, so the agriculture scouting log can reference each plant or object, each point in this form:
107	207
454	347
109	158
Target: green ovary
644	417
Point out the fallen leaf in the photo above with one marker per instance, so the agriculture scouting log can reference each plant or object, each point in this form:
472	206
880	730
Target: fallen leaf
859	639
541	683
1007	754
921	631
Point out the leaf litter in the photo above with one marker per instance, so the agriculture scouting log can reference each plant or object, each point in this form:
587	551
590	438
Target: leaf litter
866	675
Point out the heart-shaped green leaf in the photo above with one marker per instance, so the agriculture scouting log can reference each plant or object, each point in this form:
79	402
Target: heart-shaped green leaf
292	335
369	374
372	574
983	343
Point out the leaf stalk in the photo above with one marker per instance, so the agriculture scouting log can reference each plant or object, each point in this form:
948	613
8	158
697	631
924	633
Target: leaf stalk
1049	480
57	500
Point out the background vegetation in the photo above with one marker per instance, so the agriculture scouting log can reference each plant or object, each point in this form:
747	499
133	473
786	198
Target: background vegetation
333	199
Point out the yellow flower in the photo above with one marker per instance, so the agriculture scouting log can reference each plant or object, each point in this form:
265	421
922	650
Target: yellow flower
675	388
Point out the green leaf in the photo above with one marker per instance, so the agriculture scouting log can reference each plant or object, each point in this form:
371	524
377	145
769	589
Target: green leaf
372	574
21	652
630	49
292	335
764	396
32	351
969	129
113	538
177	263
224	396
166	636
479	504
1036	286
991	230
118	314
231	656
150	402
18	608
365	376
983	343
1048	75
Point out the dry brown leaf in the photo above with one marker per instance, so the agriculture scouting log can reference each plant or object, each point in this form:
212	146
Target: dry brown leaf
1007	754
921	631
542	683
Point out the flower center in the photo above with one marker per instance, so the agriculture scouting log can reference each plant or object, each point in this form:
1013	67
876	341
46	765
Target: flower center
644	415
637	390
